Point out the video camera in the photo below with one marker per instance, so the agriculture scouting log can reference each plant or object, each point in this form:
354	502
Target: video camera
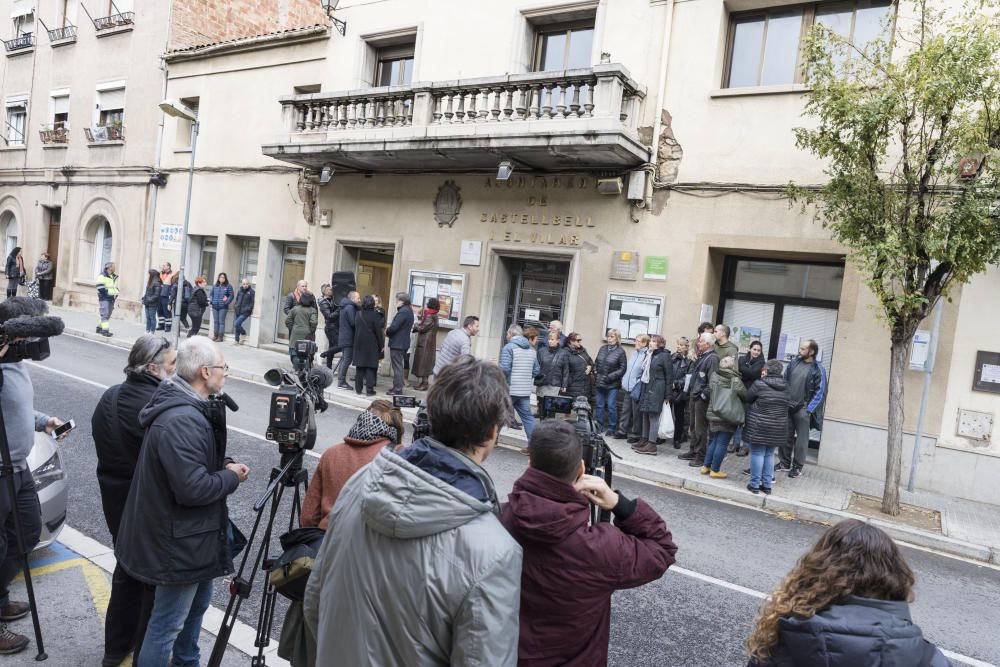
292	419
596	452
421	423
25	329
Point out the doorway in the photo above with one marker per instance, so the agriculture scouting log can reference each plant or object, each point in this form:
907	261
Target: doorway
372	268
293	269
780	303
537	292
54	215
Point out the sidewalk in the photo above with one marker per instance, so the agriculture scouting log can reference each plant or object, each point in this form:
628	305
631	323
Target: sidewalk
968	529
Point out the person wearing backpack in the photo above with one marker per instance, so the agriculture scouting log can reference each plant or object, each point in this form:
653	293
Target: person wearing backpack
725	413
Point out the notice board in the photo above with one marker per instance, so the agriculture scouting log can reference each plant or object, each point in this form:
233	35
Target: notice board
633	314
448	288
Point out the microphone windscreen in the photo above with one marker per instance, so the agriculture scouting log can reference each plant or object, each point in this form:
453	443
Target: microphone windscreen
33	327
20	306
230	403
320	377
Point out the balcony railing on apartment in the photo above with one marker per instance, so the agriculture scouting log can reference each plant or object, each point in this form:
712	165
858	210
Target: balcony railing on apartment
547	97
25	41
102	133
114	21
63	34
54	135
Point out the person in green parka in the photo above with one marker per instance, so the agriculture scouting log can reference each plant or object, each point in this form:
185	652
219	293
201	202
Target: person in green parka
301	322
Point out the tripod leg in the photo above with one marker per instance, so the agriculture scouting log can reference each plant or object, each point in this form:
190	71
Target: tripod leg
23	551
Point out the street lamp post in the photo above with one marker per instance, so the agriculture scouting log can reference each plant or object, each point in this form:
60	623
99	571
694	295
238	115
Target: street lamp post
178	110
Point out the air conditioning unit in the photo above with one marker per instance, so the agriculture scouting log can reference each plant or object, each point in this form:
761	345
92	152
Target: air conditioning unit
609	186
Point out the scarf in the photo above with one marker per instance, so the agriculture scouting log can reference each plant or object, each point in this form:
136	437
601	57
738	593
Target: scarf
295	293
427	313
645	365
370	428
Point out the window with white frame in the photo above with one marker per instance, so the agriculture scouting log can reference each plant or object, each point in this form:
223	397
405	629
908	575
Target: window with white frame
69	9
563	46
184	125
15	120
765	47
103	243
22	13
9	231
59	110
111	107
394	64
248	259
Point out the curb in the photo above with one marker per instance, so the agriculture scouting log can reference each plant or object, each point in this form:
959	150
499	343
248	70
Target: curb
798	509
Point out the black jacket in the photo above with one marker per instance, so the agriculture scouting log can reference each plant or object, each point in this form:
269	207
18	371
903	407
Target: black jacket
609	368
552	362
400	329
701	371
152	295
575	380
243	303
13	270
858	632
348	311
331	314
174	527
661	378
199	302
681	366
750	369
815	398
118	444
369	340
767	412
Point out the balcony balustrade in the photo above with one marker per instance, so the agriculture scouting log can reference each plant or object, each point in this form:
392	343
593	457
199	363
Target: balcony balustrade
546	120
19	43
114	21
66	34
54	135
104	133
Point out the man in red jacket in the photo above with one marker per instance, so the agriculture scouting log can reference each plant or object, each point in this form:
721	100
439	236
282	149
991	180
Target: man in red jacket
571	568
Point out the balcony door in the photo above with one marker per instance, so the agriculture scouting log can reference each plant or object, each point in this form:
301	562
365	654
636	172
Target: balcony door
564	46
293	269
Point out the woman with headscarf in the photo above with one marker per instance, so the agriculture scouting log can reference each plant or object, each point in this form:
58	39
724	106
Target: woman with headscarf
425	354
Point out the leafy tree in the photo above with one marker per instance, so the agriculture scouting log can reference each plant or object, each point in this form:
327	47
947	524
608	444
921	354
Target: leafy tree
908	127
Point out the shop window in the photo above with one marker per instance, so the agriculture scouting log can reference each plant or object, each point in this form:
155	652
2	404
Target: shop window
206	258
765	47
394	65
563	46
249	252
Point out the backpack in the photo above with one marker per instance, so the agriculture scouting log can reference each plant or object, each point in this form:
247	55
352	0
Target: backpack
186	292
292	568
726	404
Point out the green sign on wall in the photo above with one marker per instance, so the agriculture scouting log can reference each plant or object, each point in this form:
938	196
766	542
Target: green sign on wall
655	268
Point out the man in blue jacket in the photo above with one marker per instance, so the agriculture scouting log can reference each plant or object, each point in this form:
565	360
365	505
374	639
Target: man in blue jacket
806	380
398	334
345	338
519	364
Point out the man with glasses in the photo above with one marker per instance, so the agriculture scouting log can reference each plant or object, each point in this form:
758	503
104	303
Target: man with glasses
118	437
175	532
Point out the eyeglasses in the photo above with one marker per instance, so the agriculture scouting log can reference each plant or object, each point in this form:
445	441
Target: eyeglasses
225	367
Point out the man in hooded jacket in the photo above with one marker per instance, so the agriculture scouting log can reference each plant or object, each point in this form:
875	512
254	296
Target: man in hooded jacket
571	568
415	568
519	363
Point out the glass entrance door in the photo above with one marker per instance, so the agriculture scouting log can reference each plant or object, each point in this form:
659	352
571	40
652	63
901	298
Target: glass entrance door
293	269
537	292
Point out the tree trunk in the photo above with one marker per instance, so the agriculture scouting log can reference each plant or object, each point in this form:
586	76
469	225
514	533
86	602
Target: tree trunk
894	443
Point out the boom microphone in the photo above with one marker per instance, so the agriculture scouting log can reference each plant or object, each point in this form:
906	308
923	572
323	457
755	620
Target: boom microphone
31	326
230	403
320	377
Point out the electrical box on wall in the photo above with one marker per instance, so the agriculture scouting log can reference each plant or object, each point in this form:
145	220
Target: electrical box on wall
975	425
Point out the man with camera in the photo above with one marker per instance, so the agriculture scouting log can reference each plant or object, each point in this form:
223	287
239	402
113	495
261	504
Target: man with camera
17	398
571	568
175	532
415	568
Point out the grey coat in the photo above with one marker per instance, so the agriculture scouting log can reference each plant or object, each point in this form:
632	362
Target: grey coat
413	572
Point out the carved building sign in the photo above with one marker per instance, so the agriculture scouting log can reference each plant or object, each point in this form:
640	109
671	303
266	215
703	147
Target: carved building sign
447	204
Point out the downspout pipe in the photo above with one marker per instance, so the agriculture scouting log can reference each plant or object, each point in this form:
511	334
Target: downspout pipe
661	94
151	227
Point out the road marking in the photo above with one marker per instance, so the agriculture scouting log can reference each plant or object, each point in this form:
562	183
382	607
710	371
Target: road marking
100	589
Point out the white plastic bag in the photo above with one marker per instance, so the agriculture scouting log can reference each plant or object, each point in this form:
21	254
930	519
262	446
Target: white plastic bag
666	430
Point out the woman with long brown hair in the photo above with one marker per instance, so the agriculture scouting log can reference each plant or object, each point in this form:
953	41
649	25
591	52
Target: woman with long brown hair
845	604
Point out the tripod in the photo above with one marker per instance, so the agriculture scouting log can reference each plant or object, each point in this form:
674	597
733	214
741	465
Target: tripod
289	475
7	471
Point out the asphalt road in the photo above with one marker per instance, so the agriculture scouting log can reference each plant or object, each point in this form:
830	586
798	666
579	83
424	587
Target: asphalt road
698	614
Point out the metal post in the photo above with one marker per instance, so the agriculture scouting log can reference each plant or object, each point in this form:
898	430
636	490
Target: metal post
175	318
928	372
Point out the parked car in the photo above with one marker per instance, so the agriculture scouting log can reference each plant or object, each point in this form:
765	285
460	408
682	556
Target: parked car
50	482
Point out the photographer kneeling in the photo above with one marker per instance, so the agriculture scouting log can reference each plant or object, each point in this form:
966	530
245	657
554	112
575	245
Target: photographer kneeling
415	568
175	532
17	399
572	568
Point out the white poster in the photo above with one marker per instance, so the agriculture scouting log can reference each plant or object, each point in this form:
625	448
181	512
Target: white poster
706	312
633	314
637	328
170	237
991	373
471	253
532	314
920	350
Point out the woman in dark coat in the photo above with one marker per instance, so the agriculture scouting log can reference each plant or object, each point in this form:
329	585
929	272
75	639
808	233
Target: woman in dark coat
425	353
750	366
301	322
45	275
551	359
197	306
657	380
577	367
681	366
151	299
15	271
609	369
369	343
845	604
766	424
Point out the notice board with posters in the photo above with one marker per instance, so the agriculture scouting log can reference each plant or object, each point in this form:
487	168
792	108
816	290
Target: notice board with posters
633	314
448	288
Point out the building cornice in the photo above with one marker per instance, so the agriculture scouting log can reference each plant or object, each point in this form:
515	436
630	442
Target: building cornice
256	43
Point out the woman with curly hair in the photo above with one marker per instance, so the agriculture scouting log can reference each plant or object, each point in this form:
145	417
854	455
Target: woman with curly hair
846	604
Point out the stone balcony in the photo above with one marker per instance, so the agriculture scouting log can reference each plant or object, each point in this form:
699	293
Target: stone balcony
584	119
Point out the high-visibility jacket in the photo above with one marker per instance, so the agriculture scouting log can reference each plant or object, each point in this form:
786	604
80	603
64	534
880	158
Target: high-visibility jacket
107	286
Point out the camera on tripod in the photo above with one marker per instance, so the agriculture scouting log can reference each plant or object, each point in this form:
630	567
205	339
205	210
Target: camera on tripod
293	407
421	422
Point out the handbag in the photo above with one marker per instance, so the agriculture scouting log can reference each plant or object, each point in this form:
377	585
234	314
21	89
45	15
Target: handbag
727	404
33	289
292	568
666	429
